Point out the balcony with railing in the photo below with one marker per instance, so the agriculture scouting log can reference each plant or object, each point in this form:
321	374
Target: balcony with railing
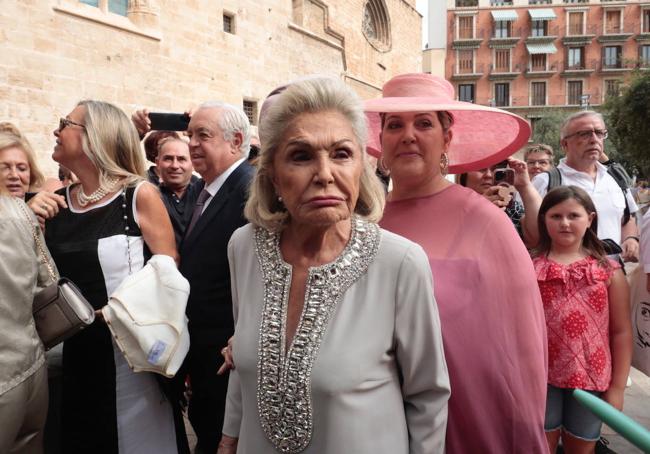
538	35
536	70
468	72
466	3
643	38
578	69
502	37
468	38
503	72
611	65
580	35
527	103
613	33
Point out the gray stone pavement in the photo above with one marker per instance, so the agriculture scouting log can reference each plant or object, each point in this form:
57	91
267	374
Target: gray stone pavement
637	407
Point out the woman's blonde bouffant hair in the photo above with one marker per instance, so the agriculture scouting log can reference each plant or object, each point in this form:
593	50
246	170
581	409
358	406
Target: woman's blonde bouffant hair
10	137
317	94
112	143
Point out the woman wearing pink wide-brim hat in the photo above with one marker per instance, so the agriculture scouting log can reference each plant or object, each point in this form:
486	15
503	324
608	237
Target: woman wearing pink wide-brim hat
490	308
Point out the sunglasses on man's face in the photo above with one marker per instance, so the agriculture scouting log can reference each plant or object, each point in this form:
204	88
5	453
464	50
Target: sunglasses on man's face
587	133
64	122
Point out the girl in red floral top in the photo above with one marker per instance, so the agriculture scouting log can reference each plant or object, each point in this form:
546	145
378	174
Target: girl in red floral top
586	305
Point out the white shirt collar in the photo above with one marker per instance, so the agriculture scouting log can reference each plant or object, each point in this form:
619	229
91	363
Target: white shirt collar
601	170
216	184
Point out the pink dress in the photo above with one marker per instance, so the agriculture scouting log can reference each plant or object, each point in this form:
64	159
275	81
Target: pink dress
576	305
491	315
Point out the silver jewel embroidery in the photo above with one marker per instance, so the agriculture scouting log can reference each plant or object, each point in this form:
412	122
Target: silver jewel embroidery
284	378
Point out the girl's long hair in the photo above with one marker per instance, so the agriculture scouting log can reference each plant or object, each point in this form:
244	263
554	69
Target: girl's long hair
590	241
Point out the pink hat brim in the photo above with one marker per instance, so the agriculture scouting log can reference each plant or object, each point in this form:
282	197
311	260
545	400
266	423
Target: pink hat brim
482	136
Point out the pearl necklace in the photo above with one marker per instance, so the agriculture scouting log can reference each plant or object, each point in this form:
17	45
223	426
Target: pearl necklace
97	195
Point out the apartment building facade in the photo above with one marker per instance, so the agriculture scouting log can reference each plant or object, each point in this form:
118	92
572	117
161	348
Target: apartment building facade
530	55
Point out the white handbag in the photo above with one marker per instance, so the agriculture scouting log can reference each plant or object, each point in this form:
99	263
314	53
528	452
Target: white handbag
146	316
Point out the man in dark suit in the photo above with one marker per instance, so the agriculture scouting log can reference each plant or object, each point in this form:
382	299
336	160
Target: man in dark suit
219	141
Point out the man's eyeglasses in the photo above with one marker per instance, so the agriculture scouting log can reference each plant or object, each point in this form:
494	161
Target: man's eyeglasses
586	134
64	122
541	162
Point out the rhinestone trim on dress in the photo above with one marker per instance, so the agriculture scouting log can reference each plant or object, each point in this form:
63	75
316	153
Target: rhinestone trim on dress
284	380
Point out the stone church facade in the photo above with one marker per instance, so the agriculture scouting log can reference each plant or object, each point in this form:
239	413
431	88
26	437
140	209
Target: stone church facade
167	55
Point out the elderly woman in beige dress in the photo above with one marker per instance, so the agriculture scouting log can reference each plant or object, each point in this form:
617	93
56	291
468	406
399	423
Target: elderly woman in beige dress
337	341
23	372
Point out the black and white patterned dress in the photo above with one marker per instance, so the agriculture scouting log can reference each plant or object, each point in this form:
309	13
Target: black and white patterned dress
107	408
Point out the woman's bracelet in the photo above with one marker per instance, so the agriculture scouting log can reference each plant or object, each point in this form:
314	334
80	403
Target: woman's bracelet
635	238
231	443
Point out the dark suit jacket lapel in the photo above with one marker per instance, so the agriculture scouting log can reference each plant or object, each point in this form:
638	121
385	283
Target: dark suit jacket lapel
217	202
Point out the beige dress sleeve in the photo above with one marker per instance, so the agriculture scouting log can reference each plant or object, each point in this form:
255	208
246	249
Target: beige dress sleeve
420	355
22	274
233	410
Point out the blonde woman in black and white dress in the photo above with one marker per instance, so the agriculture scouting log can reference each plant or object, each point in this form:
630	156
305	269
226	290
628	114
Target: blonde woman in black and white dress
111	222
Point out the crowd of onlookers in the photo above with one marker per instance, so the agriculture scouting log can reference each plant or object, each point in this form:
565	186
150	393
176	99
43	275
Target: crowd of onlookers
358	299
641	193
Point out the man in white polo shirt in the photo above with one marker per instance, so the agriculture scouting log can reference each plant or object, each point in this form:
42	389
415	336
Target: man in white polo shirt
582	137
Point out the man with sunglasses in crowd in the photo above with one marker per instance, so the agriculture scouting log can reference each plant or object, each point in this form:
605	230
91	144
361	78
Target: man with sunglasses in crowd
582	138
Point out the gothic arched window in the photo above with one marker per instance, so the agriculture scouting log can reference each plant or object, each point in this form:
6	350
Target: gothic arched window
376	24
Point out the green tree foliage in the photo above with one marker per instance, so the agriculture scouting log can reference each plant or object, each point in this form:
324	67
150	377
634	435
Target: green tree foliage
628	117
547	129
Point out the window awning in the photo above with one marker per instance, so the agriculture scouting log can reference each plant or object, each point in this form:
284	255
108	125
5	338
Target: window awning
542	14
504	15
538	48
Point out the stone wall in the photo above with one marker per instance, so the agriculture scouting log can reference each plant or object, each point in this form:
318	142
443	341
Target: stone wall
167	55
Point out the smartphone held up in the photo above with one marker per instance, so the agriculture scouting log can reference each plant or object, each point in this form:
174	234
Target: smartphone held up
169	121
503	174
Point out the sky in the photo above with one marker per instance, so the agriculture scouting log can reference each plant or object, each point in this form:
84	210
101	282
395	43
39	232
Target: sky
423	8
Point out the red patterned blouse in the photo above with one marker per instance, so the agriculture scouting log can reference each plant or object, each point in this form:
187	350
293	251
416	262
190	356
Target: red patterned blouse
576	306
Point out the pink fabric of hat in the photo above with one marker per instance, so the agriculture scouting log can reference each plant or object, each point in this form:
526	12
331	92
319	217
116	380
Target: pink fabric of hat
482	136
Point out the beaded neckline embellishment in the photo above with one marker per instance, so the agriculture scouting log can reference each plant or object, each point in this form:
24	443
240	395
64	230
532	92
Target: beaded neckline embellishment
284	377
97	194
